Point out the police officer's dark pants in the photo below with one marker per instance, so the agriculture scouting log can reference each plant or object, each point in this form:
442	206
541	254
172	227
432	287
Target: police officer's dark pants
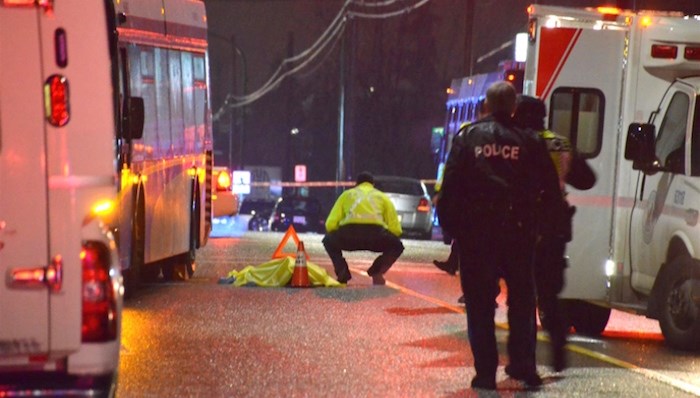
485	245
550	266
355	237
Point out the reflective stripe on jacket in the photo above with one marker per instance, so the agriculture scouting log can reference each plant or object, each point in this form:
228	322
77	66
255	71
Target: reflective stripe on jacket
364	204
560	150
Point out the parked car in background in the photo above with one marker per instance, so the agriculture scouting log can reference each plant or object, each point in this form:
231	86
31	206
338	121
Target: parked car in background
255	213
412	202
224	201
305	213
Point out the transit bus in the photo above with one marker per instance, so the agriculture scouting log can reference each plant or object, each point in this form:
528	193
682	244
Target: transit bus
105	177
165	173
465	98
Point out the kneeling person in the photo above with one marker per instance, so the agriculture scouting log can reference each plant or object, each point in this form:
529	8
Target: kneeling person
363	218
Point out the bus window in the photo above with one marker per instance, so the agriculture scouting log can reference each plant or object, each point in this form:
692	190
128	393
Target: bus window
177	122
188	101
162	82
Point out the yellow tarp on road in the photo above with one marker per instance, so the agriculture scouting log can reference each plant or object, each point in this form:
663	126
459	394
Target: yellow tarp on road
278	272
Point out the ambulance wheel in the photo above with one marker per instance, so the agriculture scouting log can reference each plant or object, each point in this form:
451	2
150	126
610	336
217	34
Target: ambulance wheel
680	314
588	319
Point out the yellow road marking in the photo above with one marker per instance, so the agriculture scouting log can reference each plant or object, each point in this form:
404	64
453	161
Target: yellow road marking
676	383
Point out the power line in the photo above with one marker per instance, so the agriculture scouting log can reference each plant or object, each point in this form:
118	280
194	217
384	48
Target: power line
330	36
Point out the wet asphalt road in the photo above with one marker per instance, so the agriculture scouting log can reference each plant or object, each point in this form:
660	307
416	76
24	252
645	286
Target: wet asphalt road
200	338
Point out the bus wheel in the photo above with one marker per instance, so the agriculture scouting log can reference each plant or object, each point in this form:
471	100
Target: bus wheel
680	314
189	257
134	275
588	319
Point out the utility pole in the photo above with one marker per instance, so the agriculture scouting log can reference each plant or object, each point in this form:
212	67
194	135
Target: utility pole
340	172
289	172
232	113
469	37
241	110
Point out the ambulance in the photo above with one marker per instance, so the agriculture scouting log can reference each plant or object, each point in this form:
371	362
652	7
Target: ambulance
624	86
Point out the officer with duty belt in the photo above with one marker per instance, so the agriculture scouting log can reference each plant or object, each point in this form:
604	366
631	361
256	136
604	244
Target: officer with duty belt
550	252
496	180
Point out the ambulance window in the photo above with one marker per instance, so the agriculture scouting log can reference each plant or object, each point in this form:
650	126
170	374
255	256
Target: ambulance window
578	113
670	141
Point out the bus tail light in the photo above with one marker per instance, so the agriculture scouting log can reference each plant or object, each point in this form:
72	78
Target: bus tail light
423	205
98	296
56	100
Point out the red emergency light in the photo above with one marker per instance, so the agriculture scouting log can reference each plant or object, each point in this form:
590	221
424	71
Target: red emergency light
664	51
692	53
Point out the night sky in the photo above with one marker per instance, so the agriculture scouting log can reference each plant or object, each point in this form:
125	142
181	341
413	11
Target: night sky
395	69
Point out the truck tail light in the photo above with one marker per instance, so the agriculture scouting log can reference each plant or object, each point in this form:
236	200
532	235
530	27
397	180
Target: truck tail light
664	51
48	4
423	205
223	181
56	100
98	296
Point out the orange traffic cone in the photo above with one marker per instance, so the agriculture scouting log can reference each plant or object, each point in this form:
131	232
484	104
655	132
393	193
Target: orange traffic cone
300	277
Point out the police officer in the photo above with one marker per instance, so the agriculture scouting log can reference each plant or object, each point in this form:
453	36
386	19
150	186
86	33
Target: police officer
363	218
550	257
495	176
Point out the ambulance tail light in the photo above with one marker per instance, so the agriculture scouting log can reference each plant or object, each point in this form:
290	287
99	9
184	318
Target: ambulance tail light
664	51
98	295
692	53
56	100
423	205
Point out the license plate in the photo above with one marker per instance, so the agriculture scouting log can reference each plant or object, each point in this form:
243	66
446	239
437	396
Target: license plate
299	220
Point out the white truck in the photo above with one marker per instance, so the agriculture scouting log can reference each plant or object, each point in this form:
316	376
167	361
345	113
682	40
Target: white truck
92	98
624	86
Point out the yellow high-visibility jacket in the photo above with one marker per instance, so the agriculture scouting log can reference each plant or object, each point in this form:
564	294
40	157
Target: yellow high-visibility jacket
560	150
364	204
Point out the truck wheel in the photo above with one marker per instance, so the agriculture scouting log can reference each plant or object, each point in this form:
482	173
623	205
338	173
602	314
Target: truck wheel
680	314
588	319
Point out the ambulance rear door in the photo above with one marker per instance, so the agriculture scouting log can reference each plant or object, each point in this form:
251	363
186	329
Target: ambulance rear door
24	230
578	71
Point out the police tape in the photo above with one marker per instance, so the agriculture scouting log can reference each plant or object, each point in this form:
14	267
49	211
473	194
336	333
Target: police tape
317	184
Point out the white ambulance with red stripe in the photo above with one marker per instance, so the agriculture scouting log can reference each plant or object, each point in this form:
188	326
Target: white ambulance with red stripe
624	87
